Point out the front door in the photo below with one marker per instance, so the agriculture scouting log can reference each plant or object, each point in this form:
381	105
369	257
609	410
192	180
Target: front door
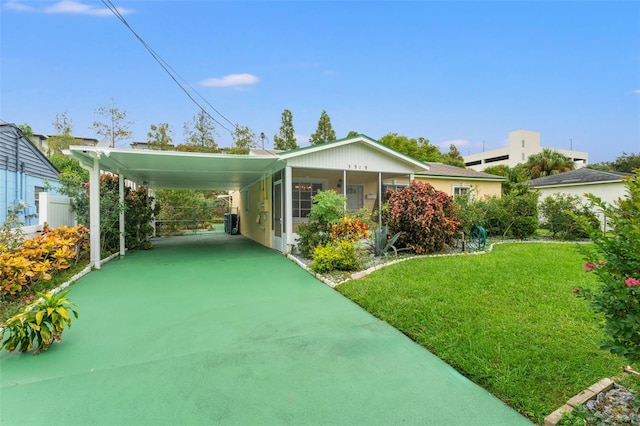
277	222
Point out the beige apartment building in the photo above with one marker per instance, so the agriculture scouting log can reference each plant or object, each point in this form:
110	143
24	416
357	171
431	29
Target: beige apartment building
522	144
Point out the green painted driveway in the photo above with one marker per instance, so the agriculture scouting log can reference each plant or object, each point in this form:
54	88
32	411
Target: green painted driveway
215	329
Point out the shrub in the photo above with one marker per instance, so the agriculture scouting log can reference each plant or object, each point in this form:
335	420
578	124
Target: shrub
11	234
327	208
351	229
513	215
340	256
425	217
39	257
615	258
39	325
522	214
556	215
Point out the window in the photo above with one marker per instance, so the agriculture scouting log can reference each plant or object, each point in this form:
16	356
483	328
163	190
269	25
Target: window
494	159
523	156
523	143
37	190
462	189
393	188
301	193
473	163
355	197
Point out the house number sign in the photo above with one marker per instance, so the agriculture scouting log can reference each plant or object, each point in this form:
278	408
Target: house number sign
357	167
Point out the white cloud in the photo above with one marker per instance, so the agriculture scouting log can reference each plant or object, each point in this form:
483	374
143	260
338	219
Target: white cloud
637	91
459	143
75	7
18	7
230	80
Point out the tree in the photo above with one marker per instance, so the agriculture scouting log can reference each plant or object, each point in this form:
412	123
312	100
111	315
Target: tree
548	162
352	134
116	127
62	139
200	133
27	130
419	148
625	163
160	137
453	157
516	177
286	139
324	132
244	138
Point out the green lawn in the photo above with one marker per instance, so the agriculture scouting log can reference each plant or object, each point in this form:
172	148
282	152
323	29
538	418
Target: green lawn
507	319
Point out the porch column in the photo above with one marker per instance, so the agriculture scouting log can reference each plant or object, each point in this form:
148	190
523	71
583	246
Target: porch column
380	198
121	202
94	211
344	189
288	209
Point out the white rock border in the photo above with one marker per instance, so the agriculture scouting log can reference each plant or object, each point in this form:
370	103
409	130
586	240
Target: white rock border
361	274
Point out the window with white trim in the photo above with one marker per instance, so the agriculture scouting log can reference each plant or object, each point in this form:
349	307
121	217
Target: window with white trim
463	189
301	192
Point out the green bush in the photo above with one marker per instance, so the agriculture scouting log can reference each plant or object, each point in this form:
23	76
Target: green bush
514	215
556	216
327	208
39	325
615	259
335	256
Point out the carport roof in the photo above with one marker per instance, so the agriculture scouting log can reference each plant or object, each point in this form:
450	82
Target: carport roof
179	170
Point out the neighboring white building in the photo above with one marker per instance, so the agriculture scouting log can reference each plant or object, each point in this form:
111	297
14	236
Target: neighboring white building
609	186
522	144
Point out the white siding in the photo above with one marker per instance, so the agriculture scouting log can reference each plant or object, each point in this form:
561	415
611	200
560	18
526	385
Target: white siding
352	157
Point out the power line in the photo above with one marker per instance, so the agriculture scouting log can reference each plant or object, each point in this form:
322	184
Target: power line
170	71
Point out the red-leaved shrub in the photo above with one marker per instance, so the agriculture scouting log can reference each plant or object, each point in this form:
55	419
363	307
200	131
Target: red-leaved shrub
425	217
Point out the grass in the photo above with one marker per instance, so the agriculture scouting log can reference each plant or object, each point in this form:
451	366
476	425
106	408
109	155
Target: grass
506	319
14	304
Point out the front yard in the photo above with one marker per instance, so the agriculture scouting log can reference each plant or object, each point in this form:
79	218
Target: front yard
507	319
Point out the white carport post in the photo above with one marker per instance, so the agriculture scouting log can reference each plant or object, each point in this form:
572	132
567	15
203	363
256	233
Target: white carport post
94	211
121	202
288	209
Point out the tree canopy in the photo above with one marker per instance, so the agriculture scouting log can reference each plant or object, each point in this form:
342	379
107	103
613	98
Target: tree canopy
453	157
548	162
200	133
243	138
115	127
160	137
324	132
63	138
286	138
419	148
625	163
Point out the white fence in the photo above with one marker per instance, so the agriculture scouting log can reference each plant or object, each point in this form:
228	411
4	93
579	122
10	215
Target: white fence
56	211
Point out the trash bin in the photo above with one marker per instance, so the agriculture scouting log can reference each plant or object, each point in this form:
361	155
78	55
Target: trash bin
231	223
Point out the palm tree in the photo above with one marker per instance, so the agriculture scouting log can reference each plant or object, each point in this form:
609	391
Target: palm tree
548	162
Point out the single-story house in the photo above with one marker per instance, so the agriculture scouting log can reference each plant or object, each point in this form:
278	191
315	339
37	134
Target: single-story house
607	185
458	181
272	190
24	170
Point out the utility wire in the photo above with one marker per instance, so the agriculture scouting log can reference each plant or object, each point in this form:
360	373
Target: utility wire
170	71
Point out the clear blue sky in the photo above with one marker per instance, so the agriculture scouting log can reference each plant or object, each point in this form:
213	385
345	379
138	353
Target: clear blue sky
461	72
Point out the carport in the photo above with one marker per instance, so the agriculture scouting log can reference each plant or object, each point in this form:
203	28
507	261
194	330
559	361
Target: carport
164	170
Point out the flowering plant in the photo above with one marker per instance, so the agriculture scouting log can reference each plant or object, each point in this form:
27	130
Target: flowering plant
614	257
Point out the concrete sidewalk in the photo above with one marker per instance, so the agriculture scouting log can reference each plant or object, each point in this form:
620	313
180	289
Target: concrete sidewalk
215	329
